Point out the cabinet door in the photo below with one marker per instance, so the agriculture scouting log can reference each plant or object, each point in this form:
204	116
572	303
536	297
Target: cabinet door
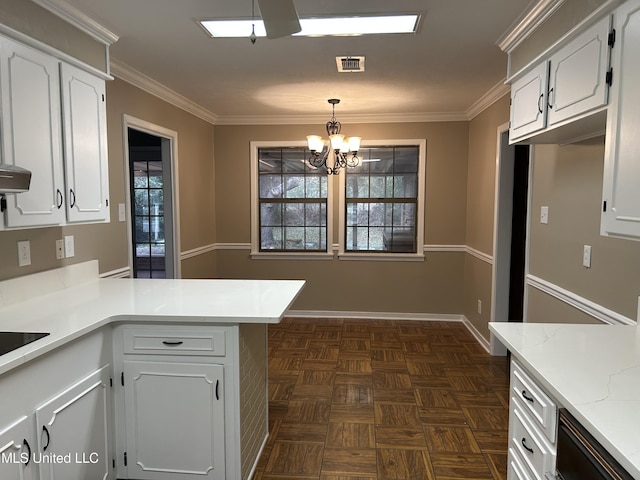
577	75
621	195
528	103
74	431
175	420
30	92
85	145
16	451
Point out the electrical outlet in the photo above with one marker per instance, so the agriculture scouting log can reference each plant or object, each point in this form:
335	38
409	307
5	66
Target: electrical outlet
544	215
59	249
479	307
586	256
69	248
24	253
122	213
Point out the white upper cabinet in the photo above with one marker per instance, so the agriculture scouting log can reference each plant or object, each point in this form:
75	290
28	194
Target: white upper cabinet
555	100
621	191
85	145
528	103
578	74
31	135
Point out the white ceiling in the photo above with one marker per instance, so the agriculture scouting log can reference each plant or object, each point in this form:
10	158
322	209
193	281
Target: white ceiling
444	69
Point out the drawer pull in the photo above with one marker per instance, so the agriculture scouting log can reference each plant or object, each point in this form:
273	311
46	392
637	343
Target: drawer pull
524	444
527	398
217	385
172	344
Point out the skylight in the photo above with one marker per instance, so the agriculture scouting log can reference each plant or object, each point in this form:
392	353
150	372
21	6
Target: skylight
315	27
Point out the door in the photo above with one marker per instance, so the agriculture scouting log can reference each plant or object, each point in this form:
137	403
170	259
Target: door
73	427
31	135
151	193
16	451
175	420
85	145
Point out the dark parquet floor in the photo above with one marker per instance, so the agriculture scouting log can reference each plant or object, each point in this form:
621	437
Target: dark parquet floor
383	399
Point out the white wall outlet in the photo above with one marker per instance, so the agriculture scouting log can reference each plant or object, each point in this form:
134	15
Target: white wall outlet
69	247
24	253
59	249
544	215
479	307
586	256
122	213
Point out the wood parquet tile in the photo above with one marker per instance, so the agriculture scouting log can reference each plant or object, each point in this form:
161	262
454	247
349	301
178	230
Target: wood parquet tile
358	399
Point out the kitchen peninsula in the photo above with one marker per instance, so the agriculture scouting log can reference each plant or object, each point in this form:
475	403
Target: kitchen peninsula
593	371
158	379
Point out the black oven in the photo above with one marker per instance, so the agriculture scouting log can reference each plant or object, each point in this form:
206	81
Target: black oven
581	457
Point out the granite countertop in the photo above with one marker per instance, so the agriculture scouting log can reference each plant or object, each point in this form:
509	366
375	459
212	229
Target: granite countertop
591	370
72	311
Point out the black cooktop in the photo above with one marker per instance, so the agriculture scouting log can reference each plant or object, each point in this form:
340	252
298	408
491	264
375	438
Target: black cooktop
9	341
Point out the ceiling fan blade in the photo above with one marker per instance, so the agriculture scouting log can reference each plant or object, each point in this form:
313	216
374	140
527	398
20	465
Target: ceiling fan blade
280	17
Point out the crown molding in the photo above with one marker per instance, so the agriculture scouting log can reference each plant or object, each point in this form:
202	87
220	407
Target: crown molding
138	79
526	25
488	99
79	20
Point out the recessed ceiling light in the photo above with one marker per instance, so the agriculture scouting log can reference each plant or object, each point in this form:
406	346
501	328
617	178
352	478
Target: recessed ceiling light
316	27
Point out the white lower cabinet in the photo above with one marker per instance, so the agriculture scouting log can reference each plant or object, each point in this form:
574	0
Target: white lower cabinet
532	428
17	444
174	420
73	431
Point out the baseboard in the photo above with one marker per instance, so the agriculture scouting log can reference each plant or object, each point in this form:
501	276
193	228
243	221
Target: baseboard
252	472
484	343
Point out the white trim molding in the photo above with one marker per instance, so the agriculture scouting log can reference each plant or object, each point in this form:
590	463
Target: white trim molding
123	272
485	257
585	305
528	24
138	79
492	96
477	335
194	252
445	248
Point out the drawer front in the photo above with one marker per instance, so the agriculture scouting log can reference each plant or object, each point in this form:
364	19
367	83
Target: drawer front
541	409
516	469
538	454
164	341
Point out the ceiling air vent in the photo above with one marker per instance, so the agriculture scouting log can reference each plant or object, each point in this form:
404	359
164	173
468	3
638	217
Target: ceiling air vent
350	64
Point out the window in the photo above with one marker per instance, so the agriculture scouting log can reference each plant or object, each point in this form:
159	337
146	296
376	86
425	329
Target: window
381	201
292	201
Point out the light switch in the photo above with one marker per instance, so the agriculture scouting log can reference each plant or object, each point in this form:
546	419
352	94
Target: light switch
122	213
544	215
586	256
69	247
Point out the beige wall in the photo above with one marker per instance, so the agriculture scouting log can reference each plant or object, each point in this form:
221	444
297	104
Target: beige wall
433	286
483	138
568	179
35	21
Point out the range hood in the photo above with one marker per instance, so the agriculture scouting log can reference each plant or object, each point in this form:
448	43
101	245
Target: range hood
14	179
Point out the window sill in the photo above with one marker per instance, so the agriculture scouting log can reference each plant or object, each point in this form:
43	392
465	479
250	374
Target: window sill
292	255
383	257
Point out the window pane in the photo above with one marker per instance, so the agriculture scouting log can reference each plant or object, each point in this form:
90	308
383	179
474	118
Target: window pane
382	201
285	175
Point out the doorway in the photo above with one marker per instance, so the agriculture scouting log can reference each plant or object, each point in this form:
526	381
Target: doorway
511	216
151	203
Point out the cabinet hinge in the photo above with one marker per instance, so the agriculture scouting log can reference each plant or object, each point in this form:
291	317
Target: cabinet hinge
611	40
3	203
111	382
107	200
609	77
604	206
125	459
113	462
103	93
122	380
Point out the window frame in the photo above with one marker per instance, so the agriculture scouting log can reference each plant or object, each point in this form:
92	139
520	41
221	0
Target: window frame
255	209
420	205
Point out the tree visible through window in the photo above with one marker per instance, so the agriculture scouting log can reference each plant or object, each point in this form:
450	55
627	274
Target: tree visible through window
381	200
292	201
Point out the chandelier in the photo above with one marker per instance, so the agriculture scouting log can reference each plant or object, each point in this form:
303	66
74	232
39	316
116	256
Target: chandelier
340	153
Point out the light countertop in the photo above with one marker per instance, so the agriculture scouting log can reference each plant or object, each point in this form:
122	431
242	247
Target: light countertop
591	370
75	310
